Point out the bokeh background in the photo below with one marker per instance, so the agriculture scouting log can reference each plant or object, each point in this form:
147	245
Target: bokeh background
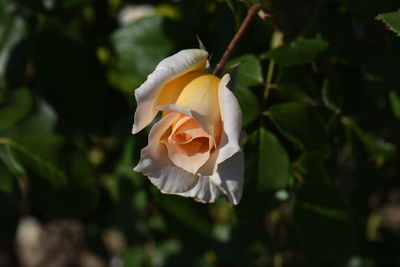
318	82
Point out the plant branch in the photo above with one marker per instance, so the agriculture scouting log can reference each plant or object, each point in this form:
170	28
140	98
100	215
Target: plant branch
252	11
276	41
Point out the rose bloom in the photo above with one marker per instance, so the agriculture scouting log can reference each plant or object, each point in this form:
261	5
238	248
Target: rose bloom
194	149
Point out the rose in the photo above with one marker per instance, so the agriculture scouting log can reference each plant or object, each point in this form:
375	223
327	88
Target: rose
193	150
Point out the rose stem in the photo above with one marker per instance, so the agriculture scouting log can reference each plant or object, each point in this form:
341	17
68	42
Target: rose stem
252	11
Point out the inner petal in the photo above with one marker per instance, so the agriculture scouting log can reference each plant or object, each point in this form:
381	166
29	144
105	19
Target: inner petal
198	145
188	131
188	144
182	138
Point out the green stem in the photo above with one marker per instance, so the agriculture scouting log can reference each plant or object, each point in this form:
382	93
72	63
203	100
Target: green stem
276	41
268	83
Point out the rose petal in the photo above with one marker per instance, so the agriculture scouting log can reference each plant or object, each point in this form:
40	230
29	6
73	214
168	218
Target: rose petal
192	152
231	115
226	163
209	167
211	126
201	97
155	164
173	89
231	174
170	68
205	190
228	180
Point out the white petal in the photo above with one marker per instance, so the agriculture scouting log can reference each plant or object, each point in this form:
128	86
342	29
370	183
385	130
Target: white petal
231	115
170	68
173	180
231	173
205	190
228	180
155	164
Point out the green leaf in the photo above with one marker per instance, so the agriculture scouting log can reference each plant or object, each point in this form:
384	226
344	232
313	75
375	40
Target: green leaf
249	104
12	30
9	160
392	20
296	82
313	168
42	119
36	162
133	256
62	181
247	71
17	105
6	180
301	124
394	99
332	93
140	46
273	163
298	52
379	149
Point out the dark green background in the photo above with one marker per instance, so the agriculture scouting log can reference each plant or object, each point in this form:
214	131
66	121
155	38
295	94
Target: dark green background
322	184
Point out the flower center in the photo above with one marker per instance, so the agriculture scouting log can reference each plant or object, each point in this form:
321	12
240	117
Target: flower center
189	146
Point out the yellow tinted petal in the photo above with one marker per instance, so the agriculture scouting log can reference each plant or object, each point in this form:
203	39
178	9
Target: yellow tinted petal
171	91
200	95
167	70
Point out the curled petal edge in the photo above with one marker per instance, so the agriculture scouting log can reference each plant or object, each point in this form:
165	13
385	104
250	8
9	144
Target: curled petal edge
231	116
168	69
228	180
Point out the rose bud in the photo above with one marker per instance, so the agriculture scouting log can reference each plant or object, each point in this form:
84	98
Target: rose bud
194	149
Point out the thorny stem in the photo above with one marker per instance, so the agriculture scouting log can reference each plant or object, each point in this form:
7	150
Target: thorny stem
252	11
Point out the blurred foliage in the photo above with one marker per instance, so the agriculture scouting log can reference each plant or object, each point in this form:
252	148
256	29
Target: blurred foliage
318	85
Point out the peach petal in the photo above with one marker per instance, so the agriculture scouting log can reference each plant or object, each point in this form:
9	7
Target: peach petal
155	164
188	145
211	125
